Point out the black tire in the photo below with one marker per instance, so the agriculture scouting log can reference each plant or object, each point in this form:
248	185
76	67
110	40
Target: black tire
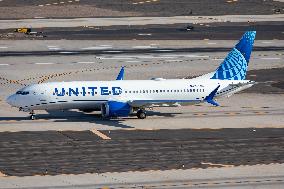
141	114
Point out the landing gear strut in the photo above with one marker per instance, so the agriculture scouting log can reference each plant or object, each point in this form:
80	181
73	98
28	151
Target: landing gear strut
32	117
141	114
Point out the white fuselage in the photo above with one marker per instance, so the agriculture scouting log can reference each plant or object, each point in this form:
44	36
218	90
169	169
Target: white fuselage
89	95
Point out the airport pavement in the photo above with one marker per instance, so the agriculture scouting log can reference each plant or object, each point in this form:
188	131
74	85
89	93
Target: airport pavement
32	153
65	142
128	21
238	111
247	177
220	31
15	9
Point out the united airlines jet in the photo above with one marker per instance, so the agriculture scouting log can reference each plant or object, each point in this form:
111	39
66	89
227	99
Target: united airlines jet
121	98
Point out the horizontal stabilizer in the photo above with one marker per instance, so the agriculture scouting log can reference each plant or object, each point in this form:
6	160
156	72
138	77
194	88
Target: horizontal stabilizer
210	97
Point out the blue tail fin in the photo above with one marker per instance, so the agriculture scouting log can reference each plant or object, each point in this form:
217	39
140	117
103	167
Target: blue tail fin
234	67
120	76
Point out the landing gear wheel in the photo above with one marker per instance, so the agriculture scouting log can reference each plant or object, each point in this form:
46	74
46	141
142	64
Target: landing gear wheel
32	117
141	114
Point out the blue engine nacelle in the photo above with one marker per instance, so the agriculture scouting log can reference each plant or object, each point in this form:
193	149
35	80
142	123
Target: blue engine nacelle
115	109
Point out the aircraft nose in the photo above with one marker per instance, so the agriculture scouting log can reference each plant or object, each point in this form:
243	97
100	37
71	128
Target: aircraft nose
11	100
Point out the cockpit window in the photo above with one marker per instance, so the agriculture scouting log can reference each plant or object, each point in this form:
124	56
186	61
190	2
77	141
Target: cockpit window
23	92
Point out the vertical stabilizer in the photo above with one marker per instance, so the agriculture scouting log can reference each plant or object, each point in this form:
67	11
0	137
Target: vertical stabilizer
234	67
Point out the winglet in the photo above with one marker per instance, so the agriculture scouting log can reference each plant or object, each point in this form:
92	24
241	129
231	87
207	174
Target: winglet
121	74
210	97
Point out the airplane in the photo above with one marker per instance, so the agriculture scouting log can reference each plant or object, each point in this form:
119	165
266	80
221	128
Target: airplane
121	98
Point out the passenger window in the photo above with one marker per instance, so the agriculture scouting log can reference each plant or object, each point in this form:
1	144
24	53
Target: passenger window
157	91
193	90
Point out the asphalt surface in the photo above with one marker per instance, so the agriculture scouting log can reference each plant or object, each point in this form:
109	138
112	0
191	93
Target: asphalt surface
129	51
213	31
142	8
70	152
269	81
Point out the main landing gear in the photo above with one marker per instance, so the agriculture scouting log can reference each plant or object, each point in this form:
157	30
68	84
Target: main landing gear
32	116
141	114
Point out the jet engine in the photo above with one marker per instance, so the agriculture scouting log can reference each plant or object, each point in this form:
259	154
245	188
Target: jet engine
115	109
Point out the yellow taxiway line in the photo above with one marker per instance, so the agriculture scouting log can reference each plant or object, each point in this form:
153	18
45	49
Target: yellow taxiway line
2	174
99	134
216	164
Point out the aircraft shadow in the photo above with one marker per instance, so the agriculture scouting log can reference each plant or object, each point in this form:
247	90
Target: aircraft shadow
78	116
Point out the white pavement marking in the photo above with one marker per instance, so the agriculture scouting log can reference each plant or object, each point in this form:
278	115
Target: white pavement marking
164	50
99	134
97	48
217	59
188	55
85	62
150	57
3	47
266	42
112	51
113	58
132	61
211	43
144	47
196	56
54	48
44	63
174	60
67	52
4	64
106	45
270	58
145	34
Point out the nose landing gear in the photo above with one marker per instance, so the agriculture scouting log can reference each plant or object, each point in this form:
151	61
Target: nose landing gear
32	116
